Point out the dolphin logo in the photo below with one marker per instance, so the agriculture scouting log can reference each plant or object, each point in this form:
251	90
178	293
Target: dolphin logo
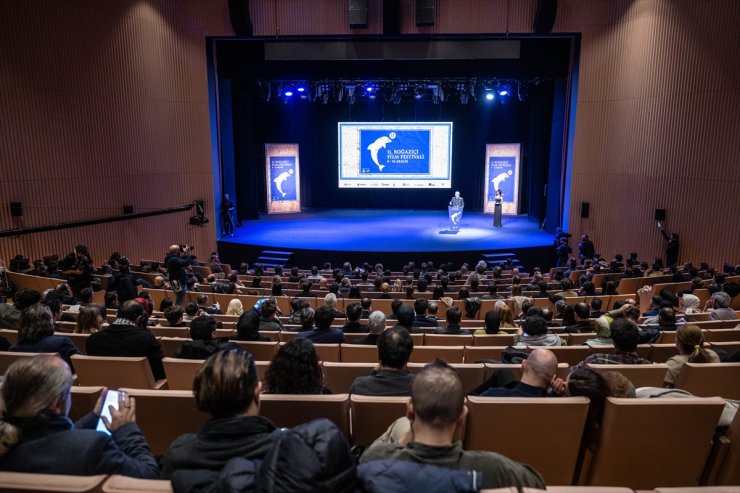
375	147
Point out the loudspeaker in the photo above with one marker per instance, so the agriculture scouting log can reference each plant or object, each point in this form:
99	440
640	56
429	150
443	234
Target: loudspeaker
16	209
241	21
585	210
660	215
544	16
425	12
357	13
128	209
391	17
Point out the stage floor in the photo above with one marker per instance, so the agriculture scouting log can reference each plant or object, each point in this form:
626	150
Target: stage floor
387	231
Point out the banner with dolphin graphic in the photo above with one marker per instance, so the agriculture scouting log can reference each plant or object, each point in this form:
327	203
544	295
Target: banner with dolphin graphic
395	155
283	178
502	173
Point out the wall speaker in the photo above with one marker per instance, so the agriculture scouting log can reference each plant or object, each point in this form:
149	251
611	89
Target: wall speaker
660	215
16	209
241	21
585	210
128	209
544	16
425	12
357	13
391	17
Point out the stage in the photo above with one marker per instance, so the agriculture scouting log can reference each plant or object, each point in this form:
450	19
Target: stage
386	236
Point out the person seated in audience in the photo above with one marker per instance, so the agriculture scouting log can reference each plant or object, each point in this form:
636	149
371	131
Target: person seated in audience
625	335
595	305
247	327
191	311
123	283
718	307
405	317
453	316
421	319
689	304
166	303
367	307
690	345
395	305
385	289
506	315
235	307
492	321
391	376
315	276
55	306
436	412
323	333
353	325
655	302
534	332
491	292
128	336
202	301
37	436
432	311
567	289
174	315
36	334
269	320
296	305
277	287
89	321
111	300
549	317
538	376
235	429
583	324
622	309
587	289
295	369
376	325
10	314
203	345
666	320
305	319
330	300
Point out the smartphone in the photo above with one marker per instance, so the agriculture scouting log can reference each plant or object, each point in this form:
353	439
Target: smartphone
111	399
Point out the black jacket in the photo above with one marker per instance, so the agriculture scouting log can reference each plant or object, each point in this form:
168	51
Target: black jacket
130	341
204	348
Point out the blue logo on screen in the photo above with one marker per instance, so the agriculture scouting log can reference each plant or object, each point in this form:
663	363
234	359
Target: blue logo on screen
282	178
394	151
501	174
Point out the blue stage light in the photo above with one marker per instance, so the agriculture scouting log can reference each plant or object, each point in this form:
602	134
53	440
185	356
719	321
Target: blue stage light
489	96
288	93
503	92
369	88
300	89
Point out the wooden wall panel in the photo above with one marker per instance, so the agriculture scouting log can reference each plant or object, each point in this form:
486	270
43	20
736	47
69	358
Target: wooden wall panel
105	104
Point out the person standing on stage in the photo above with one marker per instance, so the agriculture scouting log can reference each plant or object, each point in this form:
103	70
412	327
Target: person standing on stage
457	201
498	203
227	215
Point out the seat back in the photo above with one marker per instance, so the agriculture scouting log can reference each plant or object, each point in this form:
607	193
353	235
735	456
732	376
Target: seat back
359	353
639	375
83	400
125	484
568	354
260	351
516	369
79	340
472	375
113	371
425	354
660	353
576	339
163	415
26	481
710	379
675	434
478	353
170	332
493	339
371	416
180	372
511	425
328	352
171	345
7	358
340	376
291	410
448	340
722	335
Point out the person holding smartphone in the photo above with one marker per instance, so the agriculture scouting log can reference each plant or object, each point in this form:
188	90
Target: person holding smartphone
36	434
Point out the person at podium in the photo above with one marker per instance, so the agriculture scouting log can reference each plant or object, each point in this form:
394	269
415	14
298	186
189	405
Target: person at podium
455	210
457	201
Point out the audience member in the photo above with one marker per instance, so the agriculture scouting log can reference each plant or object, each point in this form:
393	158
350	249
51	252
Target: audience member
235	307
203	345
36	334
690	345
10	315
174	315
492	323
247	327
353	325
391	376
534	333
376	325
323	333
269	320
421	318
330	300
453	316
719	307
583	324
89	321
538	374
295	369
625	336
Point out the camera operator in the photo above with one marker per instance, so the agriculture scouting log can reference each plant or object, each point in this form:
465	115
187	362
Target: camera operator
177	262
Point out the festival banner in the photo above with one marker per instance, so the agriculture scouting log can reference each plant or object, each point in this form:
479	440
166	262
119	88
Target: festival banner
502	172
283	178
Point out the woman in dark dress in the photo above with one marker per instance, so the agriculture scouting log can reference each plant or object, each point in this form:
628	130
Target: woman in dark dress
498	201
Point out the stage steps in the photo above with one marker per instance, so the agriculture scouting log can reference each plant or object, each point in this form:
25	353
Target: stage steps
500	258
273	258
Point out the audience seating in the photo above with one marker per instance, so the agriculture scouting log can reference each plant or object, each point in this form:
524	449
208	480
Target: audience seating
285	336
10	334
371	416
124	484
660	353
180	372
493	339
578	339
260	351
425	354
471	374
652	442
639	375
562	371
183	332
327	352
730	347
340	376
79	340
171	345
83	400
499	424
572	354
473	354
723	466
291	410
447	340
23	481
710	379
722	335
115	372
360	353
163	415
7	358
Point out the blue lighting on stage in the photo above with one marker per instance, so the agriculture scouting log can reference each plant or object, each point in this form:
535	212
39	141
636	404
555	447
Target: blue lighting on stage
369	88
503	92
300	89
288	93
489	96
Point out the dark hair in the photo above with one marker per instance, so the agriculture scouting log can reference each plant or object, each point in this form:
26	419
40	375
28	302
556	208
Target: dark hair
690	340
366	303
625	335
535	326
453	315
86	295
421	306
323	317
202	328
354	311
493	322
224	386
269	307
596	303
405	315
130	310
295	369
36	323
306	317
463	293
667	316
23	298
191	309
582	310
394	347
438	395
165	303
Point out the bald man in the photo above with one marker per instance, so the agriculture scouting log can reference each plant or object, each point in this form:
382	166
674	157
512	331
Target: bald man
538	374
176	262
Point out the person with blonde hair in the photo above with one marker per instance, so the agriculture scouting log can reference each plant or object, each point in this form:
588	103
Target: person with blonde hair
235	307
506	315
690	345
89	321
37	436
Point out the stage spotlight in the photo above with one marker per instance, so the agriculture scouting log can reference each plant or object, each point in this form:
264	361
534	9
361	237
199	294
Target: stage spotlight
300	89
489	96
503	92
369	88
350	93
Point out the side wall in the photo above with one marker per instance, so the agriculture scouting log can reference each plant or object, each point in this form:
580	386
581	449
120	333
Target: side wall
105	104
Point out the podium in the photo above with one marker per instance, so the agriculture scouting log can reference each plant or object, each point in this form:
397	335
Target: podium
455	213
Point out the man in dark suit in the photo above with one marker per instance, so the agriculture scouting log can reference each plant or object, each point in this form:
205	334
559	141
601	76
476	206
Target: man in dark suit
323	332
421	306
353	325
376	325
391	377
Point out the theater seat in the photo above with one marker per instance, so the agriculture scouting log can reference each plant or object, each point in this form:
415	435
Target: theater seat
7	358
359	353
448	340
260	351
571	354
562	371
171	345
473	354
578	489
83	400
180	372
543	432
340	376
115	372
472	375
291	410
371	416
21	481
660	353
639	375
710	379
493	339
124	484
648	443
426	354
